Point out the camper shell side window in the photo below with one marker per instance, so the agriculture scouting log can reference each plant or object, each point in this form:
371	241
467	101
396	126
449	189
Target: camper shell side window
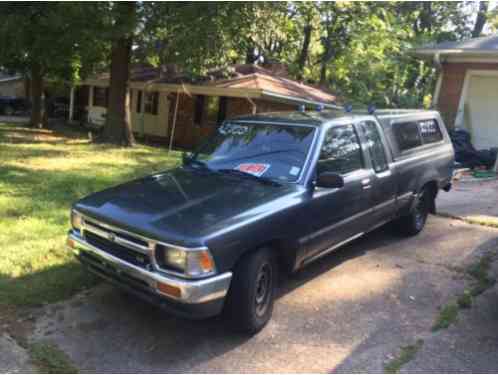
412	134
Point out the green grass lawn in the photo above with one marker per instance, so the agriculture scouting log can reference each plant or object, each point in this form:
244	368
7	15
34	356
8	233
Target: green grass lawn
42	173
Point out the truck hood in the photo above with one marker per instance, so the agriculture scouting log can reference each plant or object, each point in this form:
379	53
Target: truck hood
183	205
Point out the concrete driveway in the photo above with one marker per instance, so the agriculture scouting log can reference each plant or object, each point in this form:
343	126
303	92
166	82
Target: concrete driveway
477	200
352	311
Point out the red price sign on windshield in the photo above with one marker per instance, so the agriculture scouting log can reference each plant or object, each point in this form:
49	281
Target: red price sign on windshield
256	169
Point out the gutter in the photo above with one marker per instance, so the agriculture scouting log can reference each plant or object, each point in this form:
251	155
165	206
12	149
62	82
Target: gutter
295	100
439	82
454	52
10	79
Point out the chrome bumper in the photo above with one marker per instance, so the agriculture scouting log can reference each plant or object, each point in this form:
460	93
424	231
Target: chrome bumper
192	291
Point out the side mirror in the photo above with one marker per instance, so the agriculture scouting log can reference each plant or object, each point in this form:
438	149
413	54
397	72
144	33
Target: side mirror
186	156
330	180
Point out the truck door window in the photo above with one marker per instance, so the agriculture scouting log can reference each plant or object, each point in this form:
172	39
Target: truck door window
407	134
341	152
375	146
429	129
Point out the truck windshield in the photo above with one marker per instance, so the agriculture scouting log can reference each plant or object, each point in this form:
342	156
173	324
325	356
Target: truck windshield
270	151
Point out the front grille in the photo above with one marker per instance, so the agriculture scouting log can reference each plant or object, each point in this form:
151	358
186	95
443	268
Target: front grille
128	237
119	251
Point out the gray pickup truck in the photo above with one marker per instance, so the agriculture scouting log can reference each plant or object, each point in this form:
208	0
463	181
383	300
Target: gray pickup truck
267	193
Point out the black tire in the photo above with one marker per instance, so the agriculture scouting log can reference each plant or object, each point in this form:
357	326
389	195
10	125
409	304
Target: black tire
249	303
413	223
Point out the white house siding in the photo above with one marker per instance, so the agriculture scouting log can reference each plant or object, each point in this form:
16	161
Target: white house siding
12	87
148	124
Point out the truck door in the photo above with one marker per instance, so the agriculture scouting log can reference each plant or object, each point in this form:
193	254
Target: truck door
338	215
382	183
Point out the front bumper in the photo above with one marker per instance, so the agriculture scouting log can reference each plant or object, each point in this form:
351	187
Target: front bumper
198	298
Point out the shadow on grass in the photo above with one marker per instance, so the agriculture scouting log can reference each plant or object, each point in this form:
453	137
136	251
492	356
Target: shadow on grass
53	284
60	131
34	211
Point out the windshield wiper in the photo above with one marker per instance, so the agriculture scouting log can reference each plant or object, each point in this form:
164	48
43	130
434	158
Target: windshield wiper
236	172
196	163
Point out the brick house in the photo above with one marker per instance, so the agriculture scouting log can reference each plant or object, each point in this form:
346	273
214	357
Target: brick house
167	106
467	88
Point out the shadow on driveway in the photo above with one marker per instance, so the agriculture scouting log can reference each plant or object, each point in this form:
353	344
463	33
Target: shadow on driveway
348	312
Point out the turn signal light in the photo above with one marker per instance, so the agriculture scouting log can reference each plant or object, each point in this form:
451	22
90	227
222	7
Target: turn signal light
169	290
70	243
206	262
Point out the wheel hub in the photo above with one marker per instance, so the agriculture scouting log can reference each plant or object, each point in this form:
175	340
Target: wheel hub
263	289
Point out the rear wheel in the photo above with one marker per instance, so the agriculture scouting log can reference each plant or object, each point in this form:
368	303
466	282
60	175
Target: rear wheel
249	304
414	222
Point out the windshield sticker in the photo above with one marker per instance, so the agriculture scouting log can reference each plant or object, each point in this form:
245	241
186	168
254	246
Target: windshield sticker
233	129
256	169
294	171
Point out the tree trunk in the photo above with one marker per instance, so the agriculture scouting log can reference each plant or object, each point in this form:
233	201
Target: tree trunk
426	17
251	57
481	19
117	129
326	57
303	56
37	108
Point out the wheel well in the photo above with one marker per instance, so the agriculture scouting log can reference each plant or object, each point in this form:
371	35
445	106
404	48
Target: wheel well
432	188
284	251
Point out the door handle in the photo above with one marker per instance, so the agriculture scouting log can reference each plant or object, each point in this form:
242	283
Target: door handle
366	183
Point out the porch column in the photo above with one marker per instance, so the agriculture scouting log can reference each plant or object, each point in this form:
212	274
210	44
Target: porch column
71	104
172	136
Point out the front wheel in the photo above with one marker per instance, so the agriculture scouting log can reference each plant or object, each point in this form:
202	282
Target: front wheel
249	304
414	222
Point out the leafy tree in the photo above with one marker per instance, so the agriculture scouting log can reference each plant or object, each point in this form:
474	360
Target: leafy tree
46	40
124	20
480	19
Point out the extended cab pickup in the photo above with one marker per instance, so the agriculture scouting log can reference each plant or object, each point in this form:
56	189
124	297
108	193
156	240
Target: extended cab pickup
266	193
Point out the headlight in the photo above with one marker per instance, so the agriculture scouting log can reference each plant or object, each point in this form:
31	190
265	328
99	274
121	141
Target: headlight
192	263
175	258
76	220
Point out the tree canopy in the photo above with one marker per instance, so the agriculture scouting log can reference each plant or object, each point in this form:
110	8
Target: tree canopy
357	50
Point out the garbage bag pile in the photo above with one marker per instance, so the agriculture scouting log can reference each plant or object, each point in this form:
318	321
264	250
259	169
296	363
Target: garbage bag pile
467	156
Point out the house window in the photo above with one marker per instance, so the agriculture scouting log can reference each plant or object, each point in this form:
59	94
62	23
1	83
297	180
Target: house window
213	108
151	102
222	112
210	109
199	109
100	96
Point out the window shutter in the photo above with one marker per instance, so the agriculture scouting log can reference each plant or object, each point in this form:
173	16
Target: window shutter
139	101
155	103
106	99
94	97
222	111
